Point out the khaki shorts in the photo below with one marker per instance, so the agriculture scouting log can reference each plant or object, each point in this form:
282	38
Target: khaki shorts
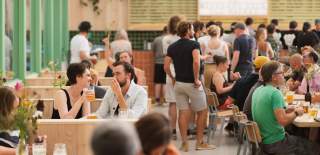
169	93
186	92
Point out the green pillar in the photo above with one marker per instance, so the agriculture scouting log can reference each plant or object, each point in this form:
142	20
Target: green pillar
48	32
35	31
19	38
2	35
65	29
57	32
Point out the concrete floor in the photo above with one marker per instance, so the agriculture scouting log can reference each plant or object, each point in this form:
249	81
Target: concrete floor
225	144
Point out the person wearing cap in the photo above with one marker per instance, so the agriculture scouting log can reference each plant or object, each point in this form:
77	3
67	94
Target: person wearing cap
241	89
80	46
244	46
317	27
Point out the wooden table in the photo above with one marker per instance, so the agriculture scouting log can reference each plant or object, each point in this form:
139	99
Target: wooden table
76	134
306	121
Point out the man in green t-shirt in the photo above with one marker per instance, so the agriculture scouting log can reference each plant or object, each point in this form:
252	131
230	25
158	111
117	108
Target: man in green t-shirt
268	110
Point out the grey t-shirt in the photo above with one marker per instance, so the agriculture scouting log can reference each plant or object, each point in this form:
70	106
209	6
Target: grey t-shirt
247	104
157	48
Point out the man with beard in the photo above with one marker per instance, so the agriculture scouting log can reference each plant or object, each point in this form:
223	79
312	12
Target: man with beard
185	56
124	94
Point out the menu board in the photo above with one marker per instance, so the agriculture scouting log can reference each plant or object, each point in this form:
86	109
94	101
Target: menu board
233	7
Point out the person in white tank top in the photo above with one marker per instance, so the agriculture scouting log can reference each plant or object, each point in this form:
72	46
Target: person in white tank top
214	46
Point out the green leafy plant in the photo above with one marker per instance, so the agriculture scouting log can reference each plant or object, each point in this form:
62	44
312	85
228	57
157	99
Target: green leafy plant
25	123
59	81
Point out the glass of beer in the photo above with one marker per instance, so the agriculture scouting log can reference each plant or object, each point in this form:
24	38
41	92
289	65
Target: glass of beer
305	106
289	96
92	116
90	95
313	111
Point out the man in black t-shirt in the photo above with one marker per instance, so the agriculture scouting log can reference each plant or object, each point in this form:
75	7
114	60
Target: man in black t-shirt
317	27
185	56
240	90
243	48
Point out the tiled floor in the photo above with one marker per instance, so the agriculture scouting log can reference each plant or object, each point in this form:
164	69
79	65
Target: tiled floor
225	144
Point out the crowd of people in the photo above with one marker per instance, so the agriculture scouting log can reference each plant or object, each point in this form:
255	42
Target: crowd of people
244	68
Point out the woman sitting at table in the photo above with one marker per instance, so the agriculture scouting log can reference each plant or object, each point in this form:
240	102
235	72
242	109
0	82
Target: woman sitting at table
8	103
219	83
312	76
71	103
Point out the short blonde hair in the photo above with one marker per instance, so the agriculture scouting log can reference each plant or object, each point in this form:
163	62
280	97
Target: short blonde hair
214	30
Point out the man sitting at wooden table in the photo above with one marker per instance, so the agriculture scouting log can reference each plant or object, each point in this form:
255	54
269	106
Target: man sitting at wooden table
268	110
124	94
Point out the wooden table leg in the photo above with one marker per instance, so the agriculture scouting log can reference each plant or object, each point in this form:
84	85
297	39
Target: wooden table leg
313	134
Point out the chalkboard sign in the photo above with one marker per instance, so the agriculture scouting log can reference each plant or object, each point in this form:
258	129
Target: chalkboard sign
233	7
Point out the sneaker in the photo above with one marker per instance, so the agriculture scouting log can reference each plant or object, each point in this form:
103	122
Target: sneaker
184	147
205	146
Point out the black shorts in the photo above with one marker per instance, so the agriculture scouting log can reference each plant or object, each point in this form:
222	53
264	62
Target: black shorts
159	74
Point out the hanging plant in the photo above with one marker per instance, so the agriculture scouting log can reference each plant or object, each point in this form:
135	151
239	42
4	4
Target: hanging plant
95	5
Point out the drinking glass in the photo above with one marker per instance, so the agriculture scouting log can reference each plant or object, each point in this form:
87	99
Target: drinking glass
289	96
60	149
92	116
305	106
313	111
39	149
90	95
123	114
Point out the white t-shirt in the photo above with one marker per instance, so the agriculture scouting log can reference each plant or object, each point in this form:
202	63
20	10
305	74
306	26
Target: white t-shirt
166	42
79	43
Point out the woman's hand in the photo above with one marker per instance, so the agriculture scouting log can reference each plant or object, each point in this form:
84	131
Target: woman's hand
235	76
